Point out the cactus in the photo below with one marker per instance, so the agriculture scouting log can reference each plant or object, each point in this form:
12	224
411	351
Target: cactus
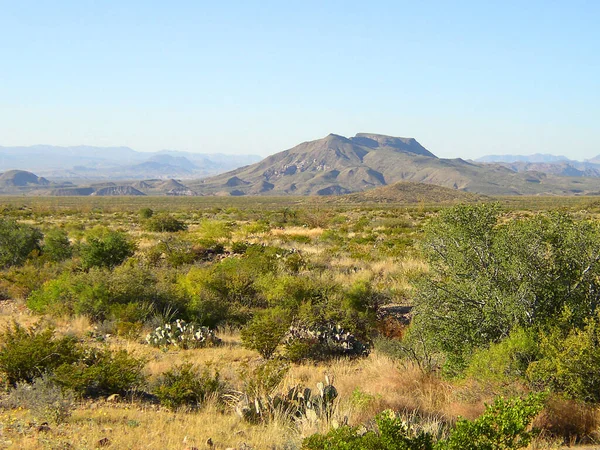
183	335
299	403
323	342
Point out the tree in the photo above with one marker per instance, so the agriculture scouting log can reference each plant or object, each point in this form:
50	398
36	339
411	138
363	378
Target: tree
488	275
17	241
108	249
57	245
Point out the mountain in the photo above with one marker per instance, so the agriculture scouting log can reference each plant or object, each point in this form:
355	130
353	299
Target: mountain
536	158
339	165
105	163
21	178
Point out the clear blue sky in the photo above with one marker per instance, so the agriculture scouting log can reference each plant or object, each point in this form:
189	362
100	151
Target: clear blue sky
465	78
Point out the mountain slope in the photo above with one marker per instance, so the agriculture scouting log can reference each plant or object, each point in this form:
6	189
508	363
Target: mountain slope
410	192
338	165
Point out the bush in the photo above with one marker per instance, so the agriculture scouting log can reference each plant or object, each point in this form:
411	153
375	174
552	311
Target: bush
569	361
505	425
146	213
164	223
266	330
488	276
101	372
46	401
109	249
187	385
57	246
392	434
26	354
17	241
505	361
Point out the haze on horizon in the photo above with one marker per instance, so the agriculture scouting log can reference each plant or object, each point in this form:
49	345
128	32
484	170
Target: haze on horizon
465	79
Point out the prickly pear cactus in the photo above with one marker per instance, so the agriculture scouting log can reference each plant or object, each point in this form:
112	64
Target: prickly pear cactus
298	403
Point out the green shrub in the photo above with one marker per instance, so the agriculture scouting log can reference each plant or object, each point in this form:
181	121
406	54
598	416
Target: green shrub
17	242
145	213
266	330
28	353
164	223
108	249
489	275
392	434
569	361
101	372
503	426
187	385
57	246
505	361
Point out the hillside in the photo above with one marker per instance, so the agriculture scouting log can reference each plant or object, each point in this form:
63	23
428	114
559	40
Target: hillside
409	192
21	178
339	165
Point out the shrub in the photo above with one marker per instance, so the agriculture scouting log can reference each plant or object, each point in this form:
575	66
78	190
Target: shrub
145	213
488	276
503	426
569	361
183	335
101	372
266	330
187	385
46	401
17	241
57	246
109	249
164	223
505	361
28	353
392	434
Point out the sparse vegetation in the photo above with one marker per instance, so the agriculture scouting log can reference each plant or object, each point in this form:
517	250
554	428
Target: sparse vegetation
430	312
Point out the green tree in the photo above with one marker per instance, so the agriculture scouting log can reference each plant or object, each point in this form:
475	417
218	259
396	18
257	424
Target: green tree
106	249
17	241
57	245
489	275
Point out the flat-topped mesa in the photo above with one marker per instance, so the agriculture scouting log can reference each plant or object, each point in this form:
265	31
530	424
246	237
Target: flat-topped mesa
375	141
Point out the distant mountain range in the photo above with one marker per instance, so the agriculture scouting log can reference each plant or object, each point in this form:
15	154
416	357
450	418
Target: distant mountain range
340	165
545	163
332	165
112	163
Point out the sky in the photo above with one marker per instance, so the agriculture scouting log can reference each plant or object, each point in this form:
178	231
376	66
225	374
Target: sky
464	78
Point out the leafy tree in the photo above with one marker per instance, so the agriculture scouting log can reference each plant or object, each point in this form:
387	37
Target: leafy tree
107	249
489	275
17	241
57	245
